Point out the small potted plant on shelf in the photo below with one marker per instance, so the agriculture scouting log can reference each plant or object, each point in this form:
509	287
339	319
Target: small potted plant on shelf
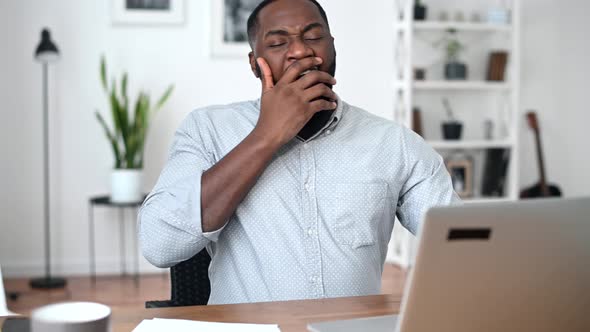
420	11
127	137
451	128
454	68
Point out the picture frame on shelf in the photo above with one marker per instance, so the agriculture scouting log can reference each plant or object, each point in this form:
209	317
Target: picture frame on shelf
228	32
461	171
147	12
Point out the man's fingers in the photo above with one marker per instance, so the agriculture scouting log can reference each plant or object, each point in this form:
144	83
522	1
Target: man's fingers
267	79
319	90
314	78
298	67
322	105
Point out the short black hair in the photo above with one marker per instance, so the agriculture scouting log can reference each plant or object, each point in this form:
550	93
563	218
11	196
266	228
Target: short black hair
252	25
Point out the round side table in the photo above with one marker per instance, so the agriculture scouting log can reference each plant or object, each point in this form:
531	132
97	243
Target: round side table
105	201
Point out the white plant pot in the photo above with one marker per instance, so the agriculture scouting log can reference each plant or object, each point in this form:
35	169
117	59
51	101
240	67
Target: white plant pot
126	185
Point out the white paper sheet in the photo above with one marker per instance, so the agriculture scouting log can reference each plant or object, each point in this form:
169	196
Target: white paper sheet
4	312
178	325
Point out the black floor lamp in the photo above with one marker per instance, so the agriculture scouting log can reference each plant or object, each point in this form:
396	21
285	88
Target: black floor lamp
46	53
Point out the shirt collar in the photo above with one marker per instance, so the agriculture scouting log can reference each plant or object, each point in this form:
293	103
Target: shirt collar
337	115
331	124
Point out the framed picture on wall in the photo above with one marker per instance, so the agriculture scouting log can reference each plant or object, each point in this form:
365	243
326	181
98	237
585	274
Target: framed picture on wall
229	36
149	12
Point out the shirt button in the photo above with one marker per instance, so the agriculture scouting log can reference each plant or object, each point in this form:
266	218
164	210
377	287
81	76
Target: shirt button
305	146
313	279
310	232
307	186
328	132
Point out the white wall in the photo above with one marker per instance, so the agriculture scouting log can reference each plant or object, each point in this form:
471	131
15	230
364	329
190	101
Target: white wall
154	57
554	51
555	74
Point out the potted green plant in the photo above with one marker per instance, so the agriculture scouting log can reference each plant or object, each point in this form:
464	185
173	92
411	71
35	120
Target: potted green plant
454	68
128	134
451	128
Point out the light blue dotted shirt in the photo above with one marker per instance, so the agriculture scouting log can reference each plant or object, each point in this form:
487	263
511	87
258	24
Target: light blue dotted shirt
316	223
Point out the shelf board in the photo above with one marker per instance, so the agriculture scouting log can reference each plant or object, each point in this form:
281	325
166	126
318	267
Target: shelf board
479	200
461	26
461	85
470	144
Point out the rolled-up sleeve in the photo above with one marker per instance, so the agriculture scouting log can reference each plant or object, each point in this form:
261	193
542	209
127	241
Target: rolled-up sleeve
428	183
170	217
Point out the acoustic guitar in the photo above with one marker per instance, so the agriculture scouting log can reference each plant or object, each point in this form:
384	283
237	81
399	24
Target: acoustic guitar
542	188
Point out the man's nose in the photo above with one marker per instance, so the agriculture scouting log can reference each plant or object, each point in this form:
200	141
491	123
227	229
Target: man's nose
298	49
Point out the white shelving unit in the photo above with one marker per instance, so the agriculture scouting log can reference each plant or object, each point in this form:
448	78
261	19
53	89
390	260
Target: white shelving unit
467	86
498	98
461	26
464	145
487	200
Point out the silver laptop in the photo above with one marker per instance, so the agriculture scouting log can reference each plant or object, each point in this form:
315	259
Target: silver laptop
519	266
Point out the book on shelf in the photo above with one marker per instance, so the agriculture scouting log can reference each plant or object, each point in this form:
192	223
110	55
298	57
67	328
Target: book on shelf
494	173
417	121
497	66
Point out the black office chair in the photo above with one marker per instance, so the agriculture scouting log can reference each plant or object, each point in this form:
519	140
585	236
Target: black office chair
189	283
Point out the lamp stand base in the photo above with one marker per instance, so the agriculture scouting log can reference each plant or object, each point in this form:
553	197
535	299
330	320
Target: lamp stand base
48	283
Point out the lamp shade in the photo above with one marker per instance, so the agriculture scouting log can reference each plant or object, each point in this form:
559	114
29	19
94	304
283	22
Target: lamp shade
46	51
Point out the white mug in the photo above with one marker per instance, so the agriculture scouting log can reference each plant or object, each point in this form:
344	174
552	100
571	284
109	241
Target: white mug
71	317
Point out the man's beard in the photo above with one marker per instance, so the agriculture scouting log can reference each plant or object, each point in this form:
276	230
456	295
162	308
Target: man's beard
332	68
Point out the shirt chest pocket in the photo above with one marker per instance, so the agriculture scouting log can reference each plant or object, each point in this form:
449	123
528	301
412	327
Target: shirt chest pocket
354	212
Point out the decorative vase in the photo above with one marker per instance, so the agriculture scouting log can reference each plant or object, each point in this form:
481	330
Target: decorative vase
455	70
420	11
126	185
452	130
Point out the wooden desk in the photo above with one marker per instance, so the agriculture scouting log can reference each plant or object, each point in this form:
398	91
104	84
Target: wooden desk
292	316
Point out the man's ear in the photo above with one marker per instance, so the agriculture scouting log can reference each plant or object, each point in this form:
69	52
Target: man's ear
254	65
